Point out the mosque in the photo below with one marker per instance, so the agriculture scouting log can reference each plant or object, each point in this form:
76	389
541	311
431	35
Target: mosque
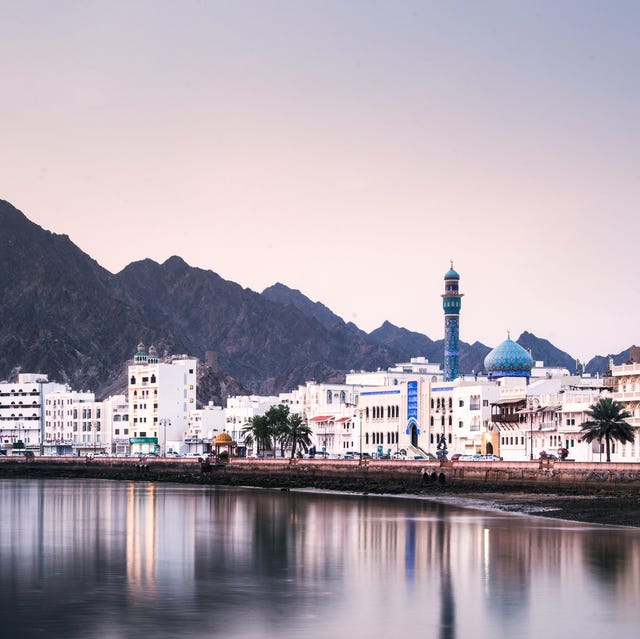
508	359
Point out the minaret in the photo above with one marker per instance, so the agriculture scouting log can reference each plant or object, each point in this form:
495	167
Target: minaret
451	301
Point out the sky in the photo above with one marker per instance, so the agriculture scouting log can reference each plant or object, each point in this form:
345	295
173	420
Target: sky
346	149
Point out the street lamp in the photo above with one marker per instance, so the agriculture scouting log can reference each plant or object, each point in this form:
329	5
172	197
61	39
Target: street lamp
164	422
531	431
40	382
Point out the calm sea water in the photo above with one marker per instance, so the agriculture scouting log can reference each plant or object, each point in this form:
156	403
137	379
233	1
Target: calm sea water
113	560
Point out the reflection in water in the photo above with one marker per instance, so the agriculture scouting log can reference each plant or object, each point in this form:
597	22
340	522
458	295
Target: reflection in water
113	560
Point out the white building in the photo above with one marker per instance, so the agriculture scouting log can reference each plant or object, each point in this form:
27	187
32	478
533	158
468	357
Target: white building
73	423
160	398
329	410
21	413
416	368
461	412
241	408
205	424
115	416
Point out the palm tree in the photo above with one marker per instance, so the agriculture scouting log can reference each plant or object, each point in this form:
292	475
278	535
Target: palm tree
608	421
278	419
298	432
258	429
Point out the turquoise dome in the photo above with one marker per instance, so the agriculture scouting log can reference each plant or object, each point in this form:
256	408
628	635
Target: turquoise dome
508	359
451	275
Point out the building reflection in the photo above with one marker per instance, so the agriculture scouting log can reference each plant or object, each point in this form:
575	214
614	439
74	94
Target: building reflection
148	556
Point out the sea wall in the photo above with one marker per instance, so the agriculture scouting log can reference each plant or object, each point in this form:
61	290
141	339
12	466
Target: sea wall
372	476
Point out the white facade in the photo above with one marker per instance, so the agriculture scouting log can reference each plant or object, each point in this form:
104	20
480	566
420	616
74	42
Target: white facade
205	425
160	398
416	368
241	408
115	416
329	410
461	411
546	415
73	423
21	414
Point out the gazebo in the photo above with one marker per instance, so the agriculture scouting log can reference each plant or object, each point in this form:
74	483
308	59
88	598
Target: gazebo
223	440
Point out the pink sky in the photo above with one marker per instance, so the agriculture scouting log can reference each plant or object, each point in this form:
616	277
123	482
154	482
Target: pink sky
347	149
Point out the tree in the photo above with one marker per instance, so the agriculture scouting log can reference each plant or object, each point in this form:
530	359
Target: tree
298	432
278	419
608	422
258	429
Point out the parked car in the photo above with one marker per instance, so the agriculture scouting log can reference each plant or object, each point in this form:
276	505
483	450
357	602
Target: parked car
29	454
455	457
349	456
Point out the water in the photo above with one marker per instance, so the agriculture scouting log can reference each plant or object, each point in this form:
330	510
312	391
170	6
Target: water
93	559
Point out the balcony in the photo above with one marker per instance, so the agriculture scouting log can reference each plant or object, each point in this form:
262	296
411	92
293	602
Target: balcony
506	418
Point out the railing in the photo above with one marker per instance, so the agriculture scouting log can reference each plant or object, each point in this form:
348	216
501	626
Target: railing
506	418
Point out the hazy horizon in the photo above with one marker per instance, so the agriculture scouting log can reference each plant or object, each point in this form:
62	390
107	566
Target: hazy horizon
345	149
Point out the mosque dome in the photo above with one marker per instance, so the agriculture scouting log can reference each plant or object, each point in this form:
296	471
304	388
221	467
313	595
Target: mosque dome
508	359
451	274
223	438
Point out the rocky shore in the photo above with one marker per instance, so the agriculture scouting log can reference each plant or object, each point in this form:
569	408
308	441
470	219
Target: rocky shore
587	499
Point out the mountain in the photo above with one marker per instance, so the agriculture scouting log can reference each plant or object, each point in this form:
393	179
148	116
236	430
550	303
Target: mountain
64	315
282	294
600	363
544	350
61	312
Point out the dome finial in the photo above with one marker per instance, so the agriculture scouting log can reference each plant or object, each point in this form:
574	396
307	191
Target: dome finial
451	263
508	334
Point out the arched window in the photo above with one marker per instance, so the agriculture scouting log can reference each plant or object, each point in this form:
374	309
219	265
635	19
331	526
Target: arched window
343	397
132	380
153	379
329	397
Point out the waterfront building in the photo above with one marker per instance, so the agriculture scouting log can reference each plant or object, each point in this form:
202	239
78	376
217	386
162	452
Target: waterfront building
22	425
391	420
329	410
545	416
115	416
73	423
451	303
626	390
205	424
160	398
242	408
460	411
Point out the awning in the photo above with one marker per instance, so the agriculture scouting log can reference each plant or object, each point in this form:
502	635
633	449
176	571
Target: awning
342	419
321	418
510	400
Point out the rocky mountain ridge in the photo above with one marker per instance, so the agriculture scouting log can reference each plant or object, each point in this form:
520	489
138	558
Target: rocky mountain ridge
64	315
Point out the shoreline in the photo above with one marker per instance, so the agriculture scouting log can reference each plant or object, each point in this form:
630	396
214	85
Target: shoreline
594	502
602	508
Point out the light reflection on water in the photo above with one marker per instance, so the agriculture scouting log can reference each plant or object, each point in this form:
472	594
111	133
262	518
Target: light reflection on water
113	560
